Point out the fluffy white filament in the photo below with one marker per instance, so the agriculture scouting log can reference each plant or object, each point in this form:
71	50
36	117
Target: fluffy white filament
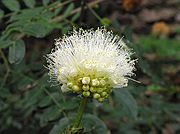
95	53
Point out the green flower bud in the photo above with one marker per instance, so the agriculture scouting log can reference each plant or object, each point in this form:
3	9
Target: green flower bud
96	96
102	82
99	90
92	89
86	80
85	87
100	99
75	88
106	96
103	94
69	84
95	82
86	93
79	81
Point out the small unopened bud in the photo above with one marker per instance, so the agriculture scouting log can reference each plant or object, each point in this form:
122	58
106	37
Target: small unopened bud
86	80
79	81
85	87
102	82
95	82
96	96
106	96
69	84
103	94
86	93
101	99
99	90
75	88
92	89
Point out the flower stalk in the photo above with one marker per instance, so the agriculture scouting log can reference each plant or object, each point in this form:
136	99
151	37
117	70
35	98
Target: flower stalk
80	112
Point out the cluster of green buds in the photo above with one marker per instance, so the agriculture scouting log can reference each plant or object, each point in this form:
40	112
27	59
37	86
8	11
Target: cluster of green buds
98	88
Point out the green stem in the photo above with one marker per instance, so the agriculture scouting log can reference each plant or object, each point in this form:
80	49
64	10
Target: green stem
7	68
80	113
94	13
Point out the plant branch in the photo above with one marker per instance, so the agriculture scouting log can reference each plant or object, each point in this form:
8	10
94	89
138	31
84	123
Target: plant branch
58	5
80	112
55	101
83	3
7	68
45	90
90	4
94	13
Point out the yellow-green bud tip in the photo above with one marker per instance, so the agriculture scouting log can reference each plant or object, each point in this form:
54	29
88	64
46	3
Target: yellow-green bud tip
101	99
103	94
99	90
85	87
86	93
102	82
95	82
69	84
79	81
96	96
92	89
86	80
75	88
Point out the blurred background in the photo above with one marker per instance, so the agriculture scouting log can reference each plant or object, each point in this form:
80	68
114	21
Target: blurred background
28	103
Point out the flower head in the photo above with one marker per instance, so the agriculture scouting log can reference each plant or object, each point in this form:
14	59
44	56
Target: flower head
91	63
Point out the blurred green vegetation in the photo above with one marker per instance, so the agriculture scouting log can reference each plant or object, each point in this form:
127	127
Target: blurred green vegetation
28	103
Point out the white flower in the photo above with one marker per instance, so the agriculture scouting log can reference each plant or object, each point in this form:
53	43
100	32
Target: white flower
91	63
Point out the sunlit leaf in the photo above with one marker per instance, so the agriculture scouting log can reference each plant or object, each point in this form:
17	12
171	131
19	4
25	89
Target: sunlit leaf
12	5
105	22
123	97
45	2
16	52
93	125
30	3
61	126
1	13
68	10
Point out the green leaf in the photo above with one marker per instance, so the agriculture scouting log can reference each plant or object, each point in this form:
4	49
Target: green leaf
45	101
123	97
93	125
163	47
128	33
1	13
16	52
115	23
68	10
75	17
12	5
4	92
57	11
30	3
61	126
105	22
31	99
45	2
27	15
50	114
4	43
143	64
36	30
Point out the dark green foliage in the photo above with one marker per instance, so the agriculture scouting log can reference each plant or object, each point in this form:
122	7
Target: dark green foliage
162	47
1	13
124	98
16	51
29	104
30	3
12	5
